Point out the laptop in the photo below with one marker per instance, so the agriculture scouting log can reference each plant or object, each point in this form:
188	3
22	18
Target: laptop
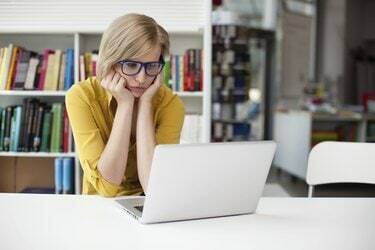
194	181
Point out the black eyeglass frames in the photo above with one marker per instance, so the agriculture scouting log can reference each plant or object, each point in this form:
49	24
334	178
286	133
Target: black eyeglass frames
132	68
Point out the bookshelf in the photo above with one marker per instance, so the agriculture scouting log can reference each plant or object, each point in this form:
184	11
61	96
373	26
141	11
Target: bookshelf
42	24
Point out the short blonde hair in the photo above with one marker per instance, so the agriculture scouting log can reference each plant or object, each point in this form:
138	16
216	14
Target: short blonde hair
129	36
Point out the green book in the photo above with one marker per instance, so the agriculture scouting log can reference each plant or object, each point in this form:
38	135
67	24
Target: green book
2	128
56	127
46	131
167	72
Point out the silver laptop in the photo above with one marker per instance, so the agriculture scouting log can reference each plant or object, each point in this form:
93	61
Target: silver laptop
192	181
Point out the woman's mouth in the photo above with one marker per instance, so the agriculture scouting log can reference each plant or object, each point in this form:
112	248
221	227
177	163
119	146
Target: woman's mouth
136	88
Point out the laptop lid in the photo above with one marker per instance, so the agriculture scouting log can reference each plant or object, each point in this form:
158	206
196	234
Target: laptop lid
192	181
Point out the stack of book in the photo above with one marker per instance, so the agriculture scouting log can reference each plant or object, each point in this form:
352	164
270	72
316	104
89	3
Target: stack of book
87	65
35	127
230	82
21	69
184	72
64	176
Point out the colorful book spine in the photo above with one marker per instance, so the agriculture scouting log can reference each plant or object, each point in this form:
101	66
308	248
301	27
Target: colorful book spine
2	129
56	127
69	70
5	66
16	127
58	175
7	128
68	172
43	70
46	131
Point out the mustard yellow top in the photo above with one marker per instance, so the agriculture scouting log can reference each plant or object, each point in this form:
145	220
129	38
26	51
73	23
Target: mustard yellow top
91	110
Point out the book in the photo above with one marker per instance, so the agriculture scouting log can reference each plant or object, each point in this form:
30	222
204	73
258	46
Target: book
12	67
7	128
2	128
15	128
24	120
68	176
46	131
82	73
31	73
69	69
5	67
62	72
56	70
29	124
58	175
50	79
43	69
22	69
37	133
56	134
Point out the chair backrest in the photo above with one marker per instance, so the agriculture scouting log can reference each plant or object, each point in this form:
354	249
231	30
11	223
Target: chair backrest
341	162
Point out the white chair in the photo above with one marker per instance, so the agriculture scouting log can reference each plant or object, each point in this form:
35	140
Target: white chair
341	162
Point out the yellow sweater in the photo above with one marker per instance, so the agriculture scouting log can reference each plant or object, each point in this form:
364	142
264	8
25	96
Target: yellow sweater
91	111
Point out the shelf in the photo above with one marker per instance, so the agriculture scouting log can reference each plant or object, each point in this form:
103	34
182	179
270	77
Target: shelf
36	154
31	93
190	94
232	121
336	118
370	117
62	93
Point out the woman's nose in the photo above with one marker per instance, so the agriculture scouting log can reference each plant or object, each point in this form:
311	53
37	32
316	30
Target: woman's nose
141	76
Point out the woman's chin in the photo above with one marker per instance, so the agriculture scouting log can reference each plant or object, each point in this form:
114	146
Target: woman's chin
137	94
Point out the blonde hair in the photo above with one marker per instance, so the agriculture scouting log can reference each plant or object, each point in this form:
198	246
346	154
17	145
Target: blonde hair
131	35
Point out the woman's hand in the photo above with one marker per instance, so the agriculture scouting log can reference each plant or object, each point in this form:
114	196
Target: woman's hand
150	92
115	84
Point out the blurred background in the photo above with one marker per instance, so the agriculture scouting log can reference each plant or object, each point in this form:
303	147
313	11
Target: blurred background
298	72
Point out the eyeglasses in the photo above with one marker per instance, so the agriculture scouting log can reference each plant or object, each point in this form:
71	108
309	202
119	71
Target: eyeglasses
132	68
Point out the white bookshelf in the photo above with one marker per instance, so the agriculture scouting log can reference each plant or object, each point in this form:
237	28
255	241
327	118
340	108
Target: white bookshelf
37	154
79	24
38	93
31	93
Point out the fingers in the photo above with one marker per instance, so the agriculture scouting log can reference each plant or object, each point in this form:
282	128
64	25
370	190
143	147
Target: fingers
107	79
114	81
121	84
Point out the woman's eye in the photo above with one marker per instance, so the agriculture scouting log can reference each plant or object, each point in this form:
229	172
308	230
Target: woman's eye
153	66
131	65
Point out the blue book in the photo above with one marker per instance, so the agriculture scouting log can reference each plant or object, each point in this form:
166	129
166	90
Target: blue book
69	69
58	175
177	72
68	169
17	127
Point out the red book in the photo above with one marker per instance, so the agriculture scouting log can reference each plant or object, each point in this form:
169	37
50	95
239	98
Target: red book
186	71
43	70
201	73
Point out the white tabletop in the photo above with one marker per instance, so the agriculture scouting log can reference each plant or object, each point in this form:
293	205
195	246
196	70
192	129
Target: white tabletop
91	222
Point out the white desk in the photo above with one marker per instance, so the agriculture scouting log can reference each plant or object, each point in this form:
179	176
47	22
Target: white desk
90	222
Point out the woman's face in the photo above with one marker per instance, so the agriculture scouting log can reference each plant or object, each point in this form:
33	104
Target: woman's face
138	83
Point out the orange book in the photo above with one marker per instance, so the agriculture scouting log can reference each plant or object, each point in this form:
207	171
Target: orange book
12	68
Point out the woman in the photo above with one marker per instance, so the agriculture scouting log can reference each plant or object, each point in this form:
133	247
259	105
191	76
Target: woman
120	116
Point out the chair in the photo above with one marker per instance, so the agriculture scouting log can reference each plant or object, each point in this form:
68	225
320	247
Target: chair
341	162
